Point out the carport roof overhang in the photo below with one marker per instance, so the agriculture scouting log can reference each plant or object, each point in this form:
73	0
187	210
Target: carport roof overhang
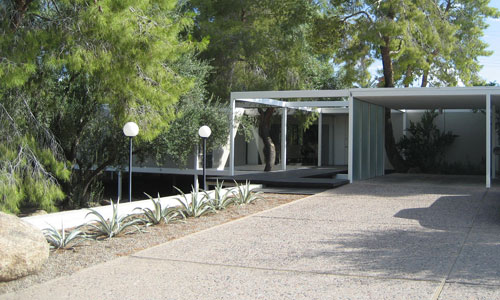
395	98
430	98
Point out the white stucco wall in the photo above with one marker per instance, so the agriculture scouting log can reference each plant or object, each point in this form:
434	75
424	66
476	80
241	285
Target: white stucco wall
470	127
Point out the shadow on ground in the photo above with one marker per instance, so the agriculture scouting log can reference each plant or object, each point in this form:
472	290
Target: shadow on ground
458	231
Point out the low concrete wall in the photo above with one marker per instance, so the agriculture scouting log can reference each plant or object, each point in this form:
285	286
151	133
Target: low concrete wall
74	218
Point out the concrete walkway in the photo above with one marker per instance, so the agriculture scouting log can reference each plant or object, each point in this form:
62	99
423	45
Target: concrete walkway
399	237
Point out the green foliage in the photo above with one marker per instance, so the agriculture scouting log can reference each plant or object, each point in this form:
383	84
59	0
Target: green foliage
30	161
425	146
181	137
259	45
82	69
115	225
428	42
221	198
245	194
421	42
194	206
247	125
62	239
158	213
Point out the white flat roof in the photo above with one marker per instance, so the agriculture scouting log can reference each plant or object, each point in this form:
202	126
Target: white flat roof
395	98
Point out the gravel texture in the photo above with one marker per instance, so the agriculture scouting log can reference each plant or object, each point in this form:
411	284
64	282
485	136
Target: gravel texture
91	252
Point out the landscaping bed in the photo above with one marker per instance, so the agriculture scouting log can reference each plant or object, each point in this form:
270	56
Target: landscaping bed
92	252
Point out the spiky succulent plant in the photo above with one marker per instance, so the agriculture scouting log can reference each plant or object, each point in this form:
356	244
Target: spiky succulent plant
113	226
62	239
159	213
195	207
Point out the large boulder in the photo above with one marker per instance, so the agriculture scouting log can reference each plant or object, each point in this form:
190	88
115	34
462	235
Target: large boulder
23	248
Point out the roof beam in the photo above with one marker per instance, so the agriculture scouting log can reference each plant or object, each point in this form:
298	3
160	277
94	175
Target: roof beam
264	101
291	94
422	92
317	104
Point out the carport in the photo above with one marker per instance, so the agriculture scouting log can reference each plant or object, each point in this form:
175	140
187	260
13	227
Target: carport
366	117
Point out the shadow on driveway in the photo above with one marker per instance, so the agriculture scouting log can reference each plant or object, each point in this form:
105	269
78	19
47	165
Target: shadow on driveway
458	239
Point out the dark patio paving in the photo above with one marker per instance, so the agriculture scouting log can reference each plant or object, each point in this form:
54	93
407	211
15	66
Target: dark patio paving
310	177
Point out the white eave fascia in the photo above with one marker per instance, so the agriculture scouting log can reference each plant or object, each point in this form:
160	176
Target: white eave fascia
291	94
338	110
437	91
264	101
317	104
303	105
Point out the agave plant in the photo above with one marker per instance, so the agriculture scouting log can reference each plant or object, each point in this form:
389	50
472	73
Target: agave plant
198	205
114	226
158	213
221	198
62	239
244	194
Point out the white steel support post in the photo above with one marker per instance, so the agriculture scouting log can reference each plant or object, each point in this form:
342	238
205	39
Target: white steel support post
331	141
320	135
404	122
350	141
119	185
283	138
231	138
494	142
488	141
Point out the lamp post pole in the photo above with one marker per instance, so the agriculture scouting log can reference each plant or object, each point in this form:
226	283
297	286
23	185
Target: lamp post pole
204	132
130	129
130	171
204	163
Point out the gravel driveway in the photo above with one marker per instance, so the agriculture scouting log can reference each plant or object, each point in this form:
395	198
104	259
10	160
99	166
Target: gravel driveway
397	237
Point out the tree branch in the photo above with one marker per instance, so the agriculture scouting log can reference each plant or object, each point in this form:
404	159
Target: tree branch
358	13
41	17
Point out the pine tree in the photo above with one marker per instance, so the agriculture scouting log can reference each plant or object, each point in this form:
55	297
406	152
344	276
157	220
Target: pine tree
431	42
261	45
82	69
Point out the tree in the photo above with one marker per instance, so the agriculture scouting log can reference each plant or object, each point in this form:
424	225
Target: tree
31	161
432	41
259	45
82	69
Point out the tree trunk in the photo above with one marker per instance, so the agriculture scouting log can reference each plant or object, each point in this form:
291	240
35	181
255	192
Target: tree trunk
20	8
425	79
265	134
393	154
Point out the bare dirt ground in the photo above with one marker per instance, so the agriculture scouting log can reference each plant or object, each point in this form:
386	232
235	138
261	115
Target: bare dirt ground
92	252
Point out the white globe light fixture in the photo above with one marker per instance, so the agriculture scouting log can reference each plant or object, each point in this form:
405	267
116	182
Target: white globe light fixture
204	133
130	129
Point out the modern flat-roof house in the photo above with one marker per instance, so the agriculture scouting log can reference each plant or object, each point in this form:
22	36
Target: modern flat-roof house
349	133
364	111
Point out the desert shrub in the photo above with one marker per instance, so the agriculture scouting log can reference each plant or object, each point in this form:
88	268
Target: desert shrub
425	145
245	194
115	225
197	207
62	239
158	213
221	198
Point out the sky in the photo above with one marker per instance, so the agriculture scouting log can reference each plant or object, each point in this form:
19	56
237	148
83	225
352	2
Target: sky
491	64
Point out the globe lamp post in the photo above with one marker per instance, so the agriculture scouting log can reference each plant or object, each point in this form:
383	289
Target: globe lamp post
130	129
204	133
